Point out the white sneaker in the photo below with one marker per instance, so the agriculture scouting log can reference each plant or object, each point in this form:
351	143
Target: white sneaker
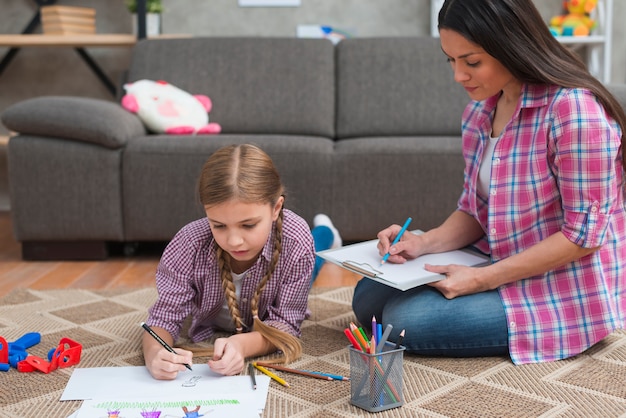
323	220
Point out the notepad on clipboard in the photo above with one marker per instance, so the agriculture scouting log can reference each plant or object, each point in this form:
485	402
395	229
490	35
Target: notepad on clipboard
363	258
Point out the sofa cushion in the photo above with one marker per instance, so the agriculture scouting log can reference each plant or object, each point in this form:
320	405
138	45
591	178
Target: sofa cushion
396	86
257	85
77	118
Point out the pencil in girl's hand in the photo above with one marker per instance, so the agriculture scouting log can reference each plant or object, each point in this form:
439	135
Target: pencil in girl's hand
400	338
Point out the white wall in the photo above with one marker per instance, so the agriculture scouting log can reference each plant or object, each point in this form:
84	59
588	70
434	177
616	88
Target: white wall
60	71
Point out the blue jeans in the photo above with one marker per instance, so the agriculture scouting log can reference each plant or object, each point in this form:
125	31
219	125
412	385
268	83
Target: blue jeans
467	326
323	240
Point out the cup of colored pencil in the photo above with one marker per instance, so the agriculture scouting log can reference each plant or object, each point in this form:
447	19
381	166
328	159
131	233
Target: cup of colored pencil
376	374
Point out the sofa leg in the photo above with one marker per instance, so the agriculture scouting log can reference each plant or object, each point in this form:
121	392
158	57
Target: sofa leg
64	250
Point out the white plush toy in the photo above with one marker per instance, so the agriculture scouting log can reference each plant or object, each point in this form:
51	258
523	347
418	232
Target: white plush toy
165	108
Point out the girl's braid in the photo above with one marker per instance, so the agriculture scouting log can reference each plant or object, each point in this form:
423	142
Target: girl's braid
229	288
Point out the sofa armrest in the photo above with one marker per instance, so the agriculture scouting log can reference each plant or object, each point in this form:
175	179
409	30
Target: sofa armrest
82	119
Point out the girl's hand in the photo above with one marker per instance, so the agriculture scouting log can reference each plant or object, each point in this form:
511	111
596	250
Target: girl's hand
228	358
164	365
459	280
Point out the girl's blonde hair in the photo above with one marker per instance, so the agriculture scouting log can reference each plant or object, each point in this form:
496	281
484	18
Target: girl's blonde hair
246	173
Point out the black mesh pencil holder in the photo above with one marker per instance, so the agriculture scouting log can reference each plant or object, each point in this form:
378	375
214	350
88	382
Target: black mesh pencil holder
376	379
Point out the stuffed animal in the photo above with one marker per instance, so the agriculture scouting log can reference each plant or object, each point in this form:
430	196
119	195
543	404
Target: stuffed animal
164	108
576	22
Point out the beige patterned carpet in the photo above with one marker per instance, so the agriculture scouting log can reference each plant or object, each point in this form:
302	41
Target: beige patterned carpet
105	323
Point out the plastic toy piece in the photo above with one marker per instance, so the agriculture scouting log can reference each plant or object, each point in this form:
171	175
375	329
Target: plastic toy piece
14	352
4	354
17	348
67	354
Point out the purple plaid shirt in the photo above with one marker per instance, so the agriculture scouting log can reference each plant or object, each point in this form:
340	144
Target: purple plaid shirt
557	167
188	281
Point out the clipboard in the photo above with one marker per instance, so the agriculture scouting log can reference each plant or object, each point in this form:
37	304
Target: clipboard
363	258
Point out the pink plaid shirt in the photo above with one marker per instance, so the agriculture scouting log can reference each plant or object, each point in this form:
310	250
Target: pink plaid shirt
188	281
557	167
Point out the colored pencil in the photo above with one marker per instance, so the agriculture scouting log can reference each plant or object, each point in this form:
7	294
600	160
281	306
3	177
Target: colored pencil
374	330
400	338
383	340
396	239
332	376
295	371
270	374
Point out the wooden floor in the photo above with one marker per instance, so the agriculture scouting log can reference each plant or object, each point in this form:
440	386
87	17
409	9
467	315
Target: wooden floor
116	272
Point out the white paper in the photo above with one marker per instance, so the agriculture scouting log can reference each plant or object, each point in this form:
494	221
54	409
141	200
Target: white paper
401	276
112	383
150	407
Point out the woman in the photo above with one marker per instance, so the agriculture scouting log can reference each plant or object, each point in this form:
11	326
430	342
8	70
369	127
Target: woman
543	195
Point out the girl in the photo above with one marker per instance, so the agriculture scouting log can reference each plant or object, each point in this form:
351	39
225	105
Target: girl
245	268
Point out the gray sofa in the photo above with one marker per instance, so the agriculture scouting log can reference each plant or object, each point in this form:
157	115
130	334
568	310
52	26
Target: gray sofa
366	131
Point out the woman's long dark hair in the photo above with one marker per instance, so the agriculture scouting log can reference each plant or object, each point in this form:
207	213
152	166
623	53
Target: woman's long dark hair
514	33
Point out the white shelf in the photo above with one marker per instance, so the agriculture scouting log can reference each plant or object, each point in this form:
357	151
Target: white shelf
597	46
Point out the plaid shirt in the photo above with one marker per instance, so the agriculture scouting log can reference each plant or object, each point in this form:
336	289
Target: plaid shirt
557	167
188	281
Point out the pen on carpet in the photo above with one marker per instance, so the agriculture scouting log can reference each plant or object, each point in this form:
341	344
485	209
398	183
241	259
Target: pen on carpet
308	373
396	239
270	374
160	341
252	375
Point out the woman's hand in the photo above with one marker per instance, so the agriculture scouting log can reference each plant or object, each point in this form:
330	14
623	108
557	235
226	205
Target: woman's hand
459	280
409	247
228	358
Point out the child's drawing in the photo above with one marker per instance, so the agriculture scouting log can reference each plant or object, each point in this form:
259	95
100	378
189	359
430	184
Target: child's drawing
150	414
191	382
195	413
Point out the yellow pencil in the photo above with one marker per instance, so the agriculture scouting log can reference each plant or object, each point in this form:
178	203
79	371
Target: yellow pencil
270	374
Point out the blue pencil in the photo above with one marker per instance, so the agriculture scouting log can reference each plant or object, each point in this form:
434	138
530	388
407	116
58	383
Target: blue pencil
333	376
395	241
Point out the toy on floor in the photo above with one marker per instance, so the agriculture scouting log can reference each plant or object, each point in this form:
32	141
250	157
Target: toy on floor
165	108
576	21
14	352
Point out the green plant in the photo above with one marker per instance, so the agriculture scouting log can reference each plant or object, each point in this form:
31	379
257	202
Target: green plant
152	6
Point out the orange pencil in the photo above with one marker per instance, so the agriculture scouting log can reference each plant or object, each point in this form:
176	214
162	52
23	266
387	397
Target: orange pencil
360	339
